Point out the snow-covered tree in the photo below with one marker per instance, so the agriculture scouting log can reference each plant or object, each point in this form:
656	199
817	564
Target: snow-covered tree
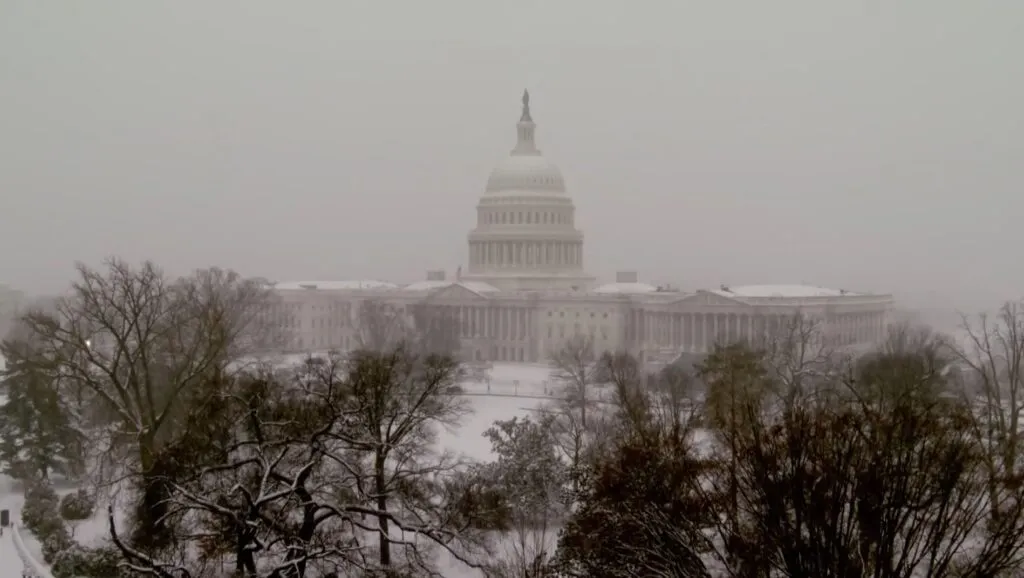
77	506
331	469
132	344
532	477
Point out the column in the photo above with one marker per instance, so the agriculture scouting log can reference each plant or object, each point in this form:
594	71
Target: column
703	331
688	331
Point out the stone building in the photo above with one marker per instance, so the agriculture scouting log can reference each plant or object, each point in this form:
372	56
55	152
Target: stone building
526	292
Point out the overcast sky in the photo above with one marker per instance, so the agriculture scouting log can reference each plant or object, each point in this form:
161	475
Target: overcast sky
867	145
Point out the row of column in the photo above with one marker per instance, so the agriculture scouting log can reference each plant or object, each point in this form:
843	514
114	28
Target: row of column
525	253
503	323
525	218
698	332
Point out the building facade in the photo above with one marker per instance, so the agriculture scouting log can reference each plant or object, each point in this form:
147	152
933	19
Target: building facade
526	293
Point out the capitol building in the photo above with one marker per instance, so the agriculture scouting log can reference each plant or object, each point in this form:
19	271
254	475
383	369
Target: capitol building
526	291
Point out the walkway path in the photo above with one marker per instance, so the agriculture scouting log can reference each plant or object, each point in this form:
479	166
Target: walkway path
10	562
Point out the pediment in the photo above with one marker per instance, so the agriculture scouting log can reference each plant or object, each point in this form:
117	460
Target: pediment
709	299
455	292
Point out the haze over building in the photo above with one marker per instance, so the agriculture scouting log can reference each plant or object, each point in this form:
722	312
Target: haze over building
526	291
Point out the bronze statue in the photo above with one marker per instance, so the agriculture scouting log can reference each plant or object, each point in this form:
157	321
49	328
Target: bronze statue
526	107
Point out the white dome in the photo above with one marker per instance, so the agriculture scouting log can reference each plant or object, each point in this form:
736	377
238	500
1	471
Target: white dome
525	170
526	173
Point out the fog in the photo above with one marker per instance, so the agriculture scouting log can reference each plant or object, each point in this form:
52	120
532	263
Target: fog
866	145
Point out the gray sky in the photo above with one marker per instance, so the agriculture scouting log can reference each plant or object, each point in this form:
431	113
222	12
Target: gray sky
865	145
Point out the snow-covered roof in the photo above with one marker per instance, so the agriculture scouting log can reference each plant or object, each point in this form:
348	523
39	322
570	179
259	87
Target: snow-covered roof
479	286
781	291
335	285
475	286
427	285
626	288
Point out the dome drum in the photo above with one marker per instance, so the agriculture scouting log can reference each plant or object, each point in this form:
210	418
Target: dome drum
515	199
519	234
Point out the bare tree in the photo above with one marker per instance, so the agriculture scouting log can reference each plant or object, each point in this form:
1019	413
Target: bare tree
993	356
417	327
133	344
675	406
381	326
399	399
575	366
798	357
436	330
575	427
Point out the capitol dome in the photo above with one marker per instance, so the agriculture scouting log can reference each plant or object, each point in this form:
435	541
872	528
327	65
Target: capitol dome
525	237
526	174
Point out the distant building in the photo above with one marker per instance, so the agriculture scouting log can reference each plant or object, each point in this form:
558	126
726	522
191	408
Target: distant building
525	291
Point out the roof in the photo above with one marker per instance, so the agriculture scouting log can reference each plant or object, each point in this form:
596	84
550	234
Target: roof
479	286
626	288
475	286
426	285
526	173
335	285
781	291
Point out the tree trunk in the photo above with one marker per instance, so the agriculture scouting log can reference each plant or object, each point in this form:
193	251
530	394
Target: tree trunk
151	530
380	486
583	408
245	563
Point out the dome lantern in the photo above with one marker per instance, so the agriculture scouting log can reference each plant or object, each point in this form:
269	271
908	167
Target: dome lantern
525	129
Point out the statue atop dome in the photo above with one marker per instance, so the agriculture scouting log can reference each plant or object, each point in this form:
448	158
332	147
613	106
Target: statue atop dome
526	107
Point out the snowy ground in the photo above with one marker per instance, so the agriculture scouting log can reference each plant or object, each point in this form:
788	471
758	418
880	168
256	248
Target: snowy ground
10	564
12	499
